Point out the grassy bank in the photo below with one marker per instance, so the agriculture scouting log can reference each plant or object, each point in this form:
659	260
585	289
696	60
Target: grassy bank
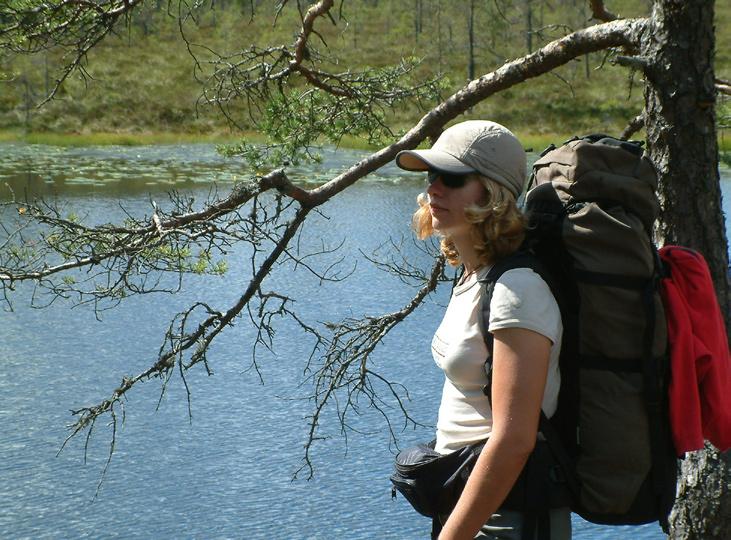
106	139
535	142
142	84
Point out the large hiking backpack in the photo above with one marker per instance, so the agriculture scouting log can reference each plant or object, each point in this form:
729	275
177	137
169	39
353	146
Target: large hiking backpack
591	208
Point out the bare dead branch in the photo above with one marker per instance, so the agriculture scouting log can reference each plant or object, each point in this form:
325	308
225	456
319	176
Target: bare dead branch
639	63
636	124
180	340
599	12
109	243
723	86
344	365
397	264
308	25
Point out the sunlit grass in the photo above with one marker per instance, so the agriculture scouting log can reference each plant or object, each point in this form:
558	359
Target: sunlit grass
724	143
120	139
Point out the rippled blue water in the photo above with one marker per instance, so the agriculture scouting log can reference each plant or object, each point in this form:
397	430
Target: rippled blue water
228	473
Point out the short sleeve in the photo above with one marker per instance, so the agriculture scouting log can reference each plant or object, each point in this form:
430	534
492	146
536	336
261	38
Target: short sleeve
521	299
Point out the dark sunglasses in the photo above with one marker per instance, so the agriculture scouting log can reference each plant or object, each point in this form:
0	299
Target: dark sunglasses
452	181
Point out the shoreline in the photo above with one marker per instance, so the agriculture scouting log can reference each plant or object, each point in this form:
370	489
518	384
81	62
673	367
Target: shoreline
532	142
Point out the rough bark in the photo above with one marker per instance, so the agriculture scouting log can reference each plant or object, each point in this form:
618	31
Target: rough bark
681	126
677	58
703	509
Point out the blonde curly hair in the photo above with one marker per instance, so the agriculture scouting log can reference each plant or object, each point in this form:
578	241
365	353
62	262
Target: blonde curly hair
498	225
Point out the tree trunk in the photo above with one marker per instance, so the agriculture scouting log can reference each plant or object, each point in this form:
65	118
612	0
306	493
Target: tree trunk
703	508
681	133
471	41
439	35
528	26
587	68
417	19
28	102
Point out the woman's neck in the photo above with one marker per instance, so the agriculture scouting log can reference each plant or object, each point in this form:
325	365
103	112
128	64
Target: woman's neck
467	254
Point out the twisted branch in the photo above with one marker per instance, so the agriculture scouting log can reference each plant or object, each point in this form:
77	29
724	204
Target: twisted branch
344	366
109	242
180	340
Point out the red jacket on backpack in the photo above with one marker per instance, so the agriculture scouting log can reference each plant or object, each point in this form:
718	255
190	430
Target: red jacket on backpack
700	383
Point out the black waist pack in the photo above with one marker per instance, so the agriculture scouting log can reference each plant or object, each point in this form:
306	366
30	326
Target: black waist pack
433	482
430	481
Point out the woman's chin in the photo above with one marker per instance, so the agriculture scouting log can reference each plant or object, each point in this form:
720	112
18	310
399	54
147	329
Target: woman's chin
442	223
437	225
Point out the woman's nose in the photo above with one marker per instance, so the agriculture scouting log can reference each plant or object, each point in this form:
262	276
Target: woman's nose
435	187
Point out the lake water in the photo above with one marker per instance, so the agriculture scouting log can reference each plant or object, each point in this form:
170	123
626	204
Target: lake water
229	472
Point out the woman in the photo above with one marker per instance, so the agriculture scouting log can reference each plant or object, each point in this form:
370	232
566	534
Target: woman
476	171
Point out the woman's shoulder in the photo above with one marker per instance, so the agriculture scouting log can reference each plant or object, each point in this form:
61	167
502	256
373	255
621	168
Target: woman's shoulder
519	290
523	279
521	298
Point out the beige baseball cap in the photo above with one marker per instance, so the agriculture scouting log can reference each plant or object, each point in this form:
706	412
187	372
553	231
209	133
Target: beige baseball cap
477	146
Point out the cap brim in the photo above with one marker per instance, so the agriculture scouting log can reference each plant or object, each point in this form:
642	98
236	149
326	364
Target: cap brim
422	160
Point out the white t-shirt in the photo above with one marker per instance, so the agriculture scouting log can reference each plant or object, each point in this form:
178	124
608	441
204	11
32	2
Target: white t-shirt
521	299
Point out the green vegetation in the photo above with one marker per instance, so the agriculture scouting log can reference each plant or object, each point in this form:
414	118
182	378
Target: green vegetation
120	139
144	87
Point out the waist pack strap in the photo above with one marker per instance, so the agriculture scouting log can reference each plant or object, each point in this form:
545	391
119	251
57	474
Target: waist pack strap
436	528
536	525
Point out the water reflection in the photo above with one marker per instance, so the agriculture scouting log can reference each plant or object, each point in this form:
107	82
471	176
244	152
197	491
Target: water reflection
46	171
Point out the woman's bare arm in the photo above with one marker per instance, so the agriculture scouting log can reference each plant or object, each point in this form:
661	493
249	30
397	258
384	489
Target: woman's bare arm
520	368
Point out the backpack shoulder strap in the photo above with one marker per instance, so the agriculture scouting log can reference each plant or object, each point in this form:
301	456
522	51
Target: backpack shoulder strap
520	259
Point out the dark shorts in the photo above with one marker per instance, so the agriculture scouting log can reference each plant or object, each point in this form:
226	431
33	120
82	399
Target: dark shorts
508	525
